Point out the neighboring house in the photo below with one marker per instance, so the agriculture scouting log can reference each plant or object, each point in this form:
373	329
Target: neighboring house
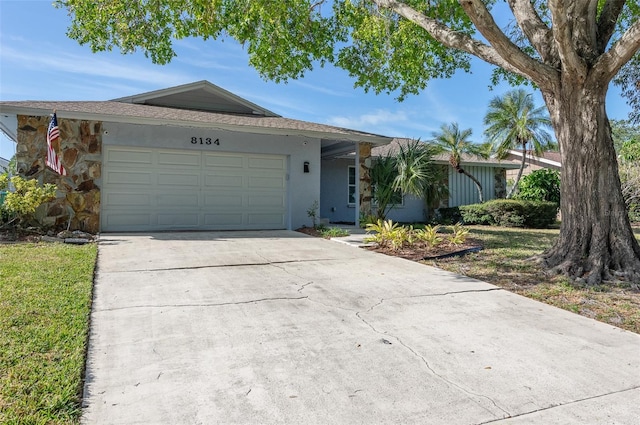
4	163
192	157
339	175
548	159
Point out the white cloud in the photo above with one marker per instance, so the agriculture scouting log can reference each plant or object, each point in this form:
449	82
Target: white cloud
51	59
378	118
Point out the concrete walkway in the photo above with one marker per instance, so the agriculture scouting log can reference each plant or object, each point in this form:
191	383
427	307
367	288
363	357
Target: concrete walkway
281	328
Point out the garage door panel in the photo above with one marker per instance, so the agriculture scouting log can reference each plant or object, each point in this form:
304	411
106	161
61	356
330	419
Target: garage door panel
266	219
218	199
178	220
266	163
129	156
127	199
223	219
128	178
266	182
178	179
224	181
266	200
223	161
179	160
126	220
178	200
160	189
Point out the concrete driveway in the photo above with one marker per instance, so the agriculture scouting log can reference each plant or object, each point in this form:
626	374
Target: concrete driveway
281	328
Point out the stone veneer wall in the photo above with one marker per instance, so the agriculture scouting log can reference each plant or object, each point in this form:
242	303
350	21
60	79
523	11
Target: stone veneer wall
364	150
80	150
500	182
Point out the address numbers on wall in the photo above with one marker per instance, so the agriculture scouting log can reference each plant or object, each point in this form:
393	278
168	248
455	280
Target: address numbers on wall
205	141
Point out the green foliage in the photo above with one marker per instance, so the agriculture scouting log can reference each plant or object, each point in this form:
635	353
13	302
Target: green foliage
389	234
312	212
449	215
540	185
458	234
454	142
331	232
26	198
45	294
367	219
514	122
429	235
476	214
383	174
511	213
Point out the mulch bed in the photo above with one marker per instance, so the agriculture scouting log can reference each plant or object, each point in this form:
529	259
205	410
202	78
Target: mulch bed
418	251
421	251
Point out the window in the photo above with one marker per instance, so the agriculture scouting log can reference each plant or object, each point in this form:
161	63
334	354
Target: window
352	185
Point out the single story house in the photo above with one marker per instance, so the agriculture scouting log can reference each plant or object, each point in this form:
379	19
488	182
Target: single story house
339	173
191	157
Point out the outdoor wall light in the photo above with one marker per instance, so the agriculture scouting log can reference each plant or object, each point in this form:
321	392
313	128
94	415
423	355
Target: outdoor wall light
306	166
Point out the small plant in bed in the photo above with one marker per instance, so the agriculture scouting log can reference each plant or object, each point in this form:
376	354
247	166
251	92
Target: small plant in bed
418	244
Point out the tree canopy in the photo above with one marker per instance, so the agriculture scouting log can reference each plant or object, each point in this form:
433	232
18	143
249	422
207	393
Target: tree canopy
387	45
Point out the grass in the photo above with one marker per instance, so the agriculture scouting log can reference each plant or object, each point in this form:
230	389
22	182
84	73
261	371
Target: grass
505	262
45	300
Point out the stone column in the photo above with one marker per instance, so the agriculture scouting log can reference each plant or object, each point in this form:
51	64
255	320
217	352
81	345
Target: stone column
364	151
500	182
79	148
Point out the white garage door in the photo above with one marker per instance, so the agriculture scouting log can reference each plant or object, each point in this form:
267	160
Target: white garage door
160	189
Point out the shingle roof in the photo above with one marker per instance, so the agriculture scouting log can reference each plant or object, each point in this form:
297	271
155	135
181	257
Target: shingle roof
130	112
394	147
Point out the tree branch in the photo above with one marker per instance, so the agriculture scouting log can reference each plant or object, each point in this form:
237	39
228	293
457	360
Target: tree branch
571	61
607	22
535	30
456	40
608	64
538	72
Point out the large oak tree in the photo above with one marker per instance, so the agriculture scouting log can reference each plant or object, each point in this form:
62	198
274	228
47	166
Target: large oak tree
570	49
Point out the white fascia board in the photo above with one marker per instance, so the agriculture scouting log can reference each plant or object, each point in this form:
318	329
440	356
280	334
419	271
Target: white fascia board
203	84
376	140
537	158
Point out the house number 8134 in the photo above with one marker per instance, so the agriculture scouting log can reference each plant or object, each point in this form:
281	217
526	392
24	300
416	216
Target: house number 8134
204	141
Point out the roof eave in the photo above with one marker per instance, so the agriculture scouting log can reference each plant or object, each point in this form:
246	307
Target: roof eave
17	110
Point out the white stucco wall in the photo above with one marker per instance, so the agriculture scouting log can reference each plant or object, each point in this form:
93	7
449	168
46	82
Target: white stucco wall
302	188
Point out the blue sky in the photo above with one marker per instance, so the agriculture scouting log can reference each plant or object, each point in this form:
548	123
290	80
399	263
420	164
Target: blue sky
38	62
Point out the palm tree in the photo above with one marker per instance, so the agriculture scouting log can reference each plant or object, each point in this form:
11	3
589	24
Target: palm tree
383	174
418	175
455	143
514	122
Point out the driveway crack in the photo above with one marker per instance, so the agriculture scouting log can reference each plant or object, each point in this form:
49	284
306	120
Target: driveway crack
562	404
422	358
204	304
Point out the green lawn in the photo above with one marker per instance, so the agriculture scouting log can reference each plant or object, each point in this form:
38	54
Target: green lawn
45	301
505	262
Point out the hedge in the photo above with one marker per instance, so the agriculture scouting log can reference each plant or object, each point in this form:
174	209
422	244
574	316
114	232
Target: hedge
511	213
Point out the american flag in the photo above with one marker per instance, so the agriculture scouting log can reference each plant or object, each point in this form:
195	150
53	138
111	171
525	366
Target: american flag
53	133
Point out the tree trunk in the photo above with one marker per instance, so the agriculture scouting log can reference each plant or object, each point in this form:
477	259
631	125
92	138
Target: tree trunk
475	180
514	189
596	241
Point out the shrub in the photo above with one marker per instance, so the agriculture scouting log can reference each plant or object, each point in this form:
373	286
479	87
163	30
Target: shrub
540	185
449	215
27	197
476	214
511	213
